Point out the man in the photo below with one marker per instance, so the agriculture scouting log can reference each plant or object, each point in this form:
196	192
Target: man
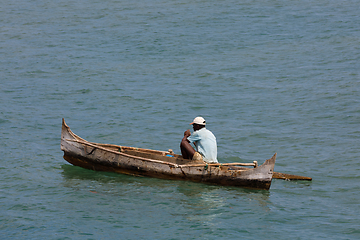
204	141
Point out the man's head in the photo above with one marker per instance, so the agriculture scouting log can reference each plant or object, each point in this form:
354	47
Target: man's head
198	123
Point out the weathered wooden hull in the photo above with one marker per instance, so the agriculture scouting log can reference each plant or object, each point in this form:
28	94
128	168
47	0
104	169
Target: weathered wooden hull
152	163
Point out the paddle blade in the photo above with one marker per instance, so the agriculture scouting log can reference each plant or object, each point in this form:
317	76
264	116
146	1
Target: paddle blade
285	176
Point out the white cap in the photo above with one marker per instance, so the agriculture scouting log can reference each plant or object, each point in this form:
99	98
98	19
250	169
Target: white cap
199	121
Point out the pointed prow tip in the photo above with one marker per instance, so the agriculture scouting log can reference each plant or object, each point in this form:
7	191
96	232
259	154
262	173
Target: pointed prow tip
64	123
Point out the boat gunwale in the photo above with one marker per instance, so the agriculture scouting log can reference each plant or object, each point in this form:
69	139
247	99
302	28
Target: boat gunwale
121	153
98	145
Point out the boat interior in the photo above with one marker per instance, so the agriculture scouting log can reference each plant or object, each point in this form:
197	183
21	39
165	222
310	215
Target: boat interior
165	156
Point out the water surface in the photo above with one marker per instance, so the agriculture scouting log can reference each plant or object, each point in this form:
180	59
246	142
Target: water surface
268	76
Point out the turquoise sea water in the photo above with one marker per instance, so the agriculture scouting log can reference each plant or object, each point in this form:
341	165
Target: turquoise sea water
268	76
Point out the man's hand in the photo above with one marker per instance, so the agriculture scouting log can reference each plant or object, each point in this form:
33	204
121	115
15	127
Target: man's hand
187	133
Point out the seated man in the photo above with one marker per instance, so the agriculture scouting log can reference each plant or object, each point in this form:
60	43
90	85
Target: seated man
204	141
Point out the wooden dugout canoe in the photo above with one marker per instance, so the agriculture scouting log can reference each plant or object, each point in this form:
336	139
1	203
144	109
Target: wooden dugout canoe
153	163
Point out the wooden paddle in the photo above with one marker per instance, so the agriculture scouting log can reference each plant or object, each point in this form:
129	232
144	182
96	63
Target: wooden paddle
285	176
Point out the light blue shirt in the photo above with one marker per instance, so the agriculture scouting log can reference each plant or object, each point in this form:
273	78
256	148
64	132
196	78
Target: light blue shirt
205	143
